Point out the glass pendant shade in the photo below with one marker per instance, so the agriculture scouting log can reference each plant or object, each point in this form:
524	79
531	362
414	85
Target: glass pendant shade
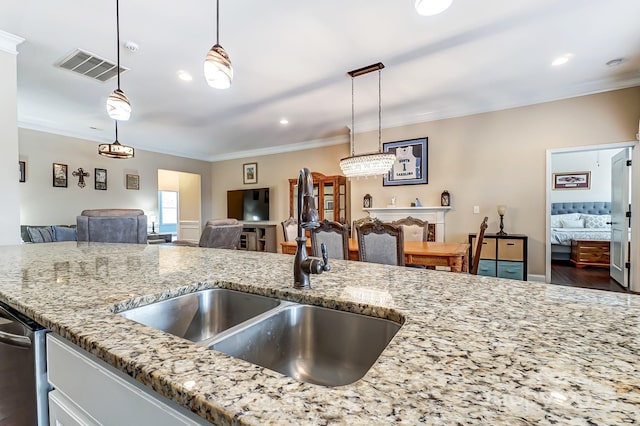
217	68
118	106
367	164
432	7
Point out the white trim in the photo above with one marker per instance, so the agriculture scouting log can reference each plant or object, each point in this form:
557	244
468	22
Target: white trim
635	225
537	278
9	42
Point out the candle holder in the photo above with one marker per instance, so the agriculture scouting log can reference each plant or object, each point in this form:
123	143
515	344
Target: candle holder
501	211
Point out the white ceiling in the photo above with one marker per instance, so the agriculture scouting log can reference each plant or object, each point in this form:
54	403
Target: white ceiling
290	60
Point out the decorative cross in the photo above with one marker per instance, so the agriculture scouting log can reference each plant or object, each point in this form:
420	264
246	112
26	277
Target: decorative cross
81	174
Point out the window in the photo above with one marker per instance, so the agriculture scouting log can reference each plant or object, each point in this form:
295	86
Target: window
168	204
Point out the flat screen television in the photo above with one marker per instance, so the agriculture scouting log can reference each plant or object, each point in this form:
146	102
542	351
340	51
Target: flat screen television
249	205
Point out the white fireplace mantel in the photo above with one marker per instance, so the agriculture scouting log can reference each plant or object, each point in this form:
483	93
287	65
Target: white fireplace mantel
433	215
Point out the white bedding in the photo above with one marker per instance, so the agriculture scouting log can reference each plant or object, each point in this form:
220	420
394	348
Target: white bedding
563	236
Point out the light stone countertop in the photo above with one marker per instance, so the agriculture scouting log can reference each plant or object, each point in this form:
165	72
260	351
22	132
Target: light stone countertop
472	350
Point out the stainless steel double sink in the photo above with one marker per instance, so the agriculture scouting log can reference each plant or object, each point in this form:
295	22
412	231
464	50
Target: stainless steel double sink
309	343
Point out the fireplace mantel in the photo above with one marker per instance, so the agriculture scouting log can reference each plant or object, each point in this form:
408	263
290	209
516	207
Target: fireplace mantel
433	215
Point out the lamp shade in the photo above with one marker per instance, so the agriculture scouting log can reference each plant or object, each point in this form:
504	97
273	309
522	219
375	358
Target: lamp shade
367	164
432	7
118	106
217	68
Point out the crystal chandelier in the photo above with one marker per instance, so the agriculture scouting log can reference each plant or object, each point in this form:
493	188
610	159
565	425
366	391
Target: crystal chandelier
217	66
115	149
373	164
118	106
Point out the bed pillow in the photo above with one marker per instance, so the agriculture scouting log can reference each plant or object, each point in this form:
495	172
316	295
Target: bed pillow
556	218
578	223
596	220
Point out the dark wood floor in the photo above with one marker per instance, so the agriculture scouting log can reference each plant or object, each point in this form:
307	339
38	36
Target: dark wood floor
564	273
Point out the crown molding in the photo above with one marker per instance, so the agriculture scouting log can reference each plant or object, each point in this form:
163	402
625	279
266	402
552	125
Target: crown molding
9	42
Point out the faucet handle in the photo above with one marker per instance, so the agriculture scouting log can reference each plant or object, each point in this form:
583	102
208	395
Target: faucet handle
325	257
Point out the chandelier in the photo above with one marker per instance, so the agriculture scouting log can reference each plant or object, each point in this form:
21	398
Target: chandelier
118	106
217	66
372	164
115	149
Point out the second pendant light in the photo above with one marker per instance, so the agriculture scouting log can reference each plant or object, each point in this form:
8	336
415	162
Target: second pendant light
217	66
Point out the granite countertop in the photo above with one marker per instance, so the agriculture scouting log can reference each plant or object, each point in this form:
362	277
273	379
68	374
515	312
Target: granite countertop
472	350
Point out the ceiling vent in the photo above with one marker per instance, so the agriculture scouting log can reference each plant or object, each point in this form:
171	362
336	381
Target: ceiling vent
90	65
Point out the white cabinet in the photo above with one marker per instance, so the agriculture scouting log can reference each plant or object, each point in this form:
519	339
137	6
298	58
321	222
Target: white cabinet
88	391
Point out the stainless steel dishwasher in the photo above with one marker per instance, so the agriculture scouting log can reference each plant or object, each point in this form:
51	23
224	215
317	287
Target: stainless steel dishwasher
23	373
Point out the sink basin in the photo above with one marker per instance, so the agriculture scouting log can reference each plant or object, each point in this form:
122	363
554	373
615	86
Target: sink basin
201	315
311	344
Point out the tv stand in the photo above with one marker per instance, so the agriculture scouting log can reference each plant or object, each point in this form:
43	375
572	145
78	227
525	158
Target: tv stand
258	237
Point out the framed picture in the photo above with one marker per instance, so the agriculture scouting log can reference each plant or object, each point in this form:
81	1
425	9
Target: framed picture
22	167
59	175
411	163
101	179
572	180
250	173
133	182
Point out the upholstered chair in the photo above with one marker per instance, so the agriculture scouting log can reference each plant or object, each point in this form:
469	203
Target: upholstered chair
335	236
380	242
290	229
221	233
112	226
413	229
359	222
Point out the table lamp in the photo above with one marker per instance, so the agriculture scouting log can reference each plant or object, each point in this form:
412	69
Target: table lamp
501	211
152	218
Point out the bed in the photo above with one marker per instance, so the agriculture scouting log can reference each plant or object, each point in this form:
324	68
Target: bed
578	221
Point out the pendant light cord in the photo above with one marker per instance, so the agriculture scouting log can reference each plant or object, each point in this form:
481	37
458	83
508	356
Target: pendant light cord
116	130
353	122
118	41
379	111
217	21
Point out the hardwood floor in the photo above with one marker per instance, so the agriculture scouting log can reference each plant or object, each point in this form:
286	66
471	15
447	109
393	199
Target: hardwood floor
564	273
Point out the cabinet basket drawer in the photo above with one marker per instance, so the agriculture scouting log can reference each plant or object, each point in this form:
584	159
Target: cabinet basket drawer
487	268
488	248
509	249
513	270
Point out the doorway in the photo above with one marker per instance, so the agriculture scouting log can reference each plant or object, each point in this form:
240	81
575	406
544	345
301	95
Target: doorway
179	204
566	265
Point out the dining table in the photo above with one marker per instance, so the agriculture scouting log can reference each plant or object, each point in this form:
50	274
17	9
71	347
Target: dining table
424	253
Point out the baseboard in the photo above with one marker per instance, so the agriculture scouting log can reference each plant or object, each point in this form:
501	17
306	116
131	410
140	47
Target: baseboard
540	278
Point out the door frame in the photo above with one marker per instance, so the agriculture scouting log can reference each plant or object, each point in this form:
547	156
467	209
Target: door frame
635	199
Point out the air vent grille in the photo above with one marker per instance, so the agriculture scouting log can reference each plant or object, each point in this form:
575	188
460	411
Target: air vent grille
90	65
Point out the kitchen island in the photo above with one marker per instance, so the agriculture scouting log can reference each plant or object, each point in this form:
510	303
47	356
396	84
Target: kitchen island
471	350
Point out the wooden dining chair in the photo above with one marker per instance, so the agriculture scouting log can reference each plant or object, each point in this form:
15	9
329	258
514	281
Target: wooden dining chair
413	229
380	242
476	255
335	236
290	229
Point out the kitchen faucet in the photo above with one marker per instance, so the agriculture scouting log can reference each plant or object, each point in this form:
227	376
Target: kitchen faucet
303	265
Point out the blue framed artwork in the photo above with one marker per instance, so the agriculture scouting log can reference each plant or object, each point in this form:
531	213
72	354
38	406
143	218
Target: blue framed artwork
410	167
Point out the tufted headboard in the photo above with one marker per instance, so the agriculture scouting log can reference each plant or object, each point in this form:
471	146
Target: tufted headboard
586	207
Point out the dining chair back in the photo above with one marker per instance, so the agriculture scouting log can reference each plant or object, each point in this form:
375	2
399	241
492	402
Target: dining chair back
413	229
335	236
476	255
290	229
380	242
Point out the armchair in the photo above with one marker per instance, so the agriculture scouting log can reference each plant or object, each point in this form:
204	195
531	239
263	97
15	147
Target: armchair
112	226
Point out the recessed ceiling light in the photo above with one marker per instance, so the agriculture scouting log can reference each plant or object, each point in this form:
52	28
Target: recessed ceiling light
561	60
183	75
284	121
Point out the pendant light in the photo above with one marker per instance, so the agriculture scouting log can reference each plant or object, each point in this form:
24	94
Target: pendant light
118	106
115	149
373	164
432	7
217	66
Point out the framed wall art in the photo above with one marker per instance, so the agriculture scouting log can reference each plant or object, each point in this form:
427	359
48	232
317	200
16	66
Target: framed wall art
133	181
59	175
250	173
572	180
101	179
22	167
410	167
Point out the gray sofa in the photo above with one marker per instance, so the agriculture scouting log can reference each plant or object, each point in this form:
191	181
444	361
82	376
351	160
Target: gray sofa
48	234
112	226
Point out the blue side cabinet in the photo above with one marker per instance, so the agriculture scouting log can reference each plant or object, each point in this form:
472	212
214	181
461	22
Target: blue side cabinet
503	256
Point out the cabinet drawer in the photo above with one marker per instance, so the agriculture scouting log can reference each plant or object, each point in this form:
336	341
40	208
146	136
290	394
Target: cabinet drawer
509	249
487	268
513	270
488	248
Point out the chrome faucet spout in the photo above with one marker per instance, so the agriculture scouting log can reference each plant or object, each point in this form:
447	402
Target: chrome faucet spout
308	218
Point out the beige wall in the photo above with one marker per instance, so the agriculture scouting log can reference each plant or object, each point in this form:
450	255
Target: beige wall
42	204
484	160
9	176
